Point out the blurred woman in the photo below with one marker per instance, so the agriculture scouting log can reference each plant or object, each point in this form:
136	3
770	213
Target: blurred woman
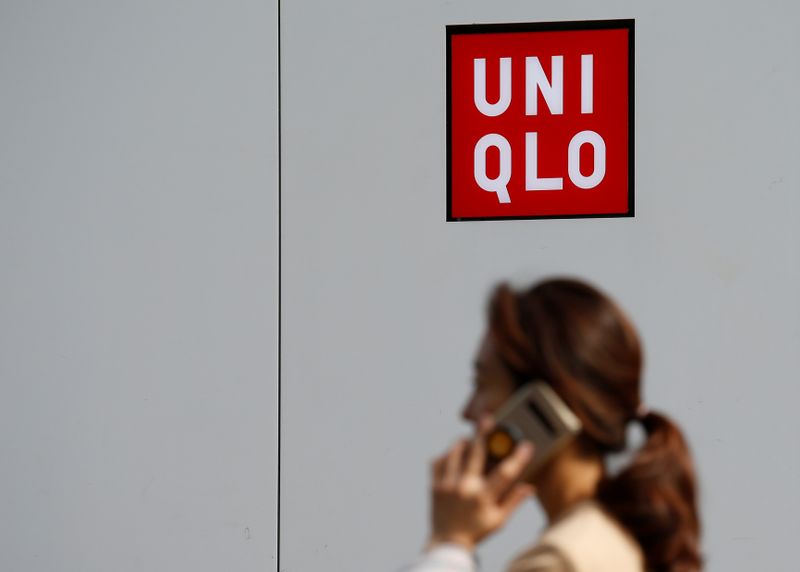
644	518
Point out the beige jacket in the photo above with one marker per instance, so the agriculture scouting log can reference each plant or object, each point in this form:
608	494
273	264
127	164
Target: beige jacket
584	539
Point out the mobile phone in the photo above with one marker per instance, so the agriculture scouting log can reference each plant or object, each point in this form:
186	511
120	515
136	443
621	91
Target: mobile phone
534	412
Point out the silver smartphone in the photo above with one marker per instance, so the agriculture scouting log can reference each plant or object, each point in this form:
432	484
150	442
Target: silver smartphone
536	413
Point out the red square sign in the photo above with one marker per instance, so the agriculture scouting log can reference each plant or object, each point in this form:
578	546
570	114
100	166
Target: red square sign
540	120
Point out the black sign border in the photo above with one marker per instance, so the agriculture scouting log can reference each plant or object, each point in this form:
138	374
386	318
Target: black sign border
621	24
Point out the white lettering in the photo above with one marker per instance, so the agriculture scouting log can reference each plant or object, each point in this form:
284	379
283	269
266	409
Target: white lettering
574	159
532	180
536	80
500	184
479	82
587	83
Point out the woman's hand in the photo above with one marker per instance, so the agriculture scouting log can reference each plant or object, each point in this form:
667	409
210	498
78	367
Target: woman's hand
467	506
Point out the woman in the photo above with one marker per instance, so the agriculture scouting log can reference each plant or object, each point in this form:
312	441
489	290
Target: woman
644	518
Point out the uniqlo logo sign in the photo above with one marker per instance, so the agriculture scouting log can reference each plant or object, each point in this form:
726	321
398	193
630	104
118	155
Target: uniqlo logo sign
540	120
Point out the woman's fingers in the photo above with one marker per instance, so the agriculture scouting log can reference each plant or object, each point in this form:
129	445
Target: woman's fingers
467	458
477	453
437	468
453	462
509	470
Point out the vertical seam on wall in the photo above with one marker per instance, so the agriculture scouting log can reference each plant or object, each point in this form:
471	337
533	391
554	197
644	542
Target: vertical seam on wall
278	517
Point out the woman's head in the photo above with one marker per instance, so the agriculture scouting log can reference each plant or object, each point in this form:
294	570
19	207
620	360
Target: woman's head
576	338
573	336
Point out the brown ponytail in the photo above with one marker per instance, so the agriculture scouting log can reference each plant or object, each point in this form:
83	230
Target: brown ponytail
655	498
575	337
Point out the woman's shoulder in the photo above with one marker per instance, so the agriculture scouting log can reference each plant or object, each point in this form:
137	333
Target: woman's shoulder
586	539
541	558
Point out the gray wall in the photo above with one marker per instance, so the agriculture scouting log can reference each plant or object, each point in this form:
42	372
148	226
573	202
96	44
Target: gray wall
138	242
383	300
138	299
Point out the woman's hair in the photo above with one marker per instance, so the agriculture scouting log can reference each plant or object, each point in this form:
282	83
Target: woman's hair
573	336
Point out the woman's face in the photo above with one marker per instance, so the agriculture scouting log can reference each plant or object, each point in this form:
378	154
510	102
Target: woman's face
492	383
